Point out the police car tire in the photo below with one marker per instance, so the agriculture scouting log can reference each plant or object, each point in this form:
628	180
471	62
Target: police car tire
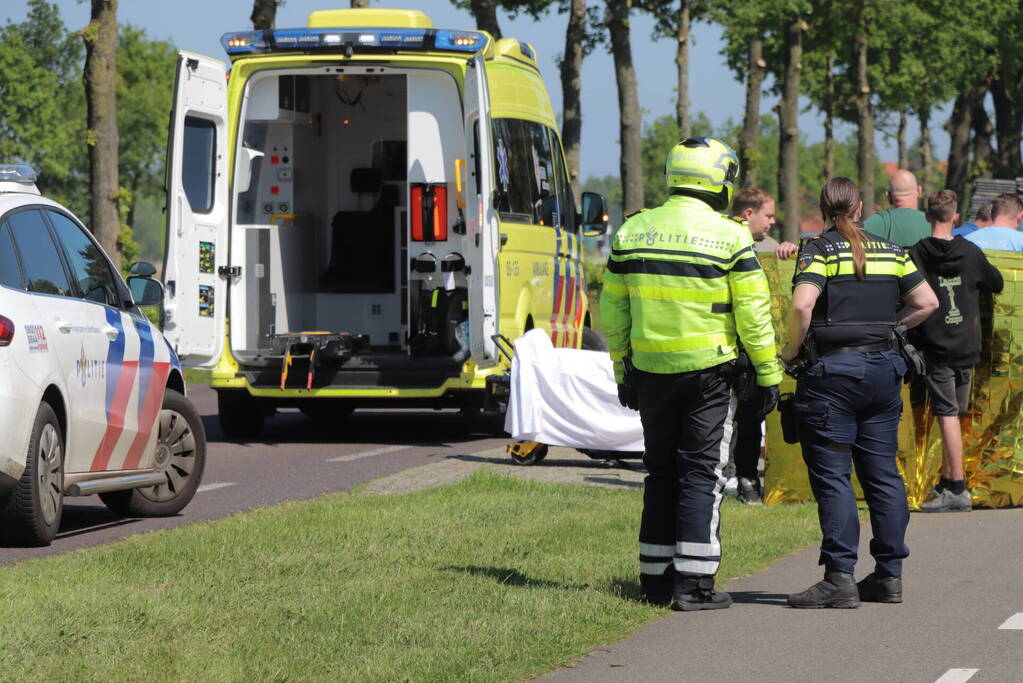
239	415
592	341
23	522
137	502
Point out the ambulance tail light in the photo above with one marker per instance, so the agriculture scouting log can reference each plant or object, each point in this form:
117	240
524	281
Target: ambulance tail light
6	331
429	212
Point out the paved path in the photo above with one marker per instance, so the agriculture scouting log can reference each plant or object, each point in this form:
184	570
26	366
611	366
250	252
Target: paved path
962	620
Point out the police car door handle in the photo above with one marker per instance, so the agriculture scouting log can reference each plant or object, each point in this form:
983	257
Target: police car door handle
111	332
63	325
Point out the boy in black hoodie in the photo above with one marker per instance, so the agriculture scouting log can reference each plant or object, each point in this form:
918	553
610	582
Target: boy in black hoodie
957	271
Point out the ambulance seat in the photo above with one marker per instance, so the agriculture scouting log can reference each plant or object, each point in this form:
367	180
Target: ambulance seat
362	244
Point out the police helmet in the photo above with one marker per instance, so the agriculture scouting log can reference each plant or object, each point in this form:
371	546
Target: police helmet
705	168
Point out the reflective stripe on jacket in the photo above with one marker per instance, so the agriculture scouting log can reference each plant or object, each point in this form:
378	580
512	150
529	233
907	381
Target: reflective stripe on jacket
682	287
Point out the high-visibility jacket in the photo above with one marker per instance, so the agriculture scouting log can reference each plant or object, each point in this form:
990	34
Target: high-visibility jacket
682	288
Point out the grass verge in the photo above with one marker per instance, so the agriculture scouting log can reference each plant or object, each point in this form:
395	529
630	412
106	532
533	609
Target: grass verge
491	578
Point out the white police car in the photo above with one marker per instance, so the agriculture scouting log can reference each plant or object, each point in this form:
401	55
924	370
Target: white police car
91	395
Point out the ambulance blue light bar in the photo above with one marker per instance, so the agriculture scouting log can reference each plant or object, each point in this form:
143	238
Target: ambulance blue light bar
349	40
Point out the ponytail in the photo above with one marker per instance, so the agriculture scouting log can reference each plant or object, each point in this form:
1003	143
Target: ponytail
855	237
839	202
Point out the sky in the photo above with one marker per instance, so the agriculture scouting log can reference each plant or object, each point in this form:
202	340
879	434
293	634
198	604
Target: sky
196	25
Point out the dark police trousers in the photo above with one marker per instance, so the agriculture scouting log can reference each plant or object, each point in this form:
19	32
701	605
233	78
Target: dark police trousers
746	440
687	427
849	406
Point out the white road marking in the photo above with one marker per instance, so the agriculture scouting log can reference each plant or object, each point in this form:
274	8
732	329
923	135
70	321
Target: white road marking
369	454
1013	622
214	486
957	676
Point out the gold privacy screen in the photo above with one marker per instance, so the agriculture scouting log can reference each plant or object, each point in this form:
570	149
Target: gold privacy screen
992	432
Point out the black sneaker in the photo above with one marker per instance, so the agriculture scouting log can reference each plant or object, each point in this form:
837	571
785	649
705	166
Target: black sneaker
749	491
657	589
836	590
877	588
693	593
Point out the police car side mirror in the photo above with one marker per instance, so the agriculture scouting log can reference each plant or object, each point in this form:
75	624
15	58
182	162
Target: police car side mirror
594	214
142	269
145	291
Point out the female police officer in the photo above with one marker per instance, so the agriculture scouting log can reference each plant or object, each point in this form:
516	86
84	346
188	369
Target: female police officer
845	294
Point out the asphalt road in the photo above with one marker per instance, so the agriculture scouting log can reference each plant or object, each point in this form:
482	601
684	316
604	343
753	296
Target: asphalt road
962	619
291	460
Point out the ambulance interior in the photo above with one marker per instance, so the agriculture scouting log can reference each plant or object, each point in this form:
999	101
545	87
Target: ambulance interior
330	164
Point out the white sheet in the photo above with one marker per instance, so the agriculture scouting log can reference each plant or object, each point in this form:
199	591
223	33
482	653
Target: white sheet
565	397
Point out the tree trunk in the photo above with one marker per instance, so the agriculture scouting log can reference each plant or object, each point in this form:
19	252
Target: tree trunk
100	80
360	4
983	130
485	13
903	146
755	71
926	148
571	88
864	121
829	119
630	118
264	14
1007	125
682	62
788	143
958	127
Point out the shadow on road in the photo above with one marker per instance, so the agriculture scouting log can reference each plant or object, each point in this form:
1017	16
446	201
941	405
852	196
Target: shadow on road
758	598
369	427
82	519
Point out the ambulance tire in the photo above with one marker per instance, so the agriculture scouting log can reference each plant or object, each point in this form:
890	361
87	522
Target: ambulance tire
240	416
182	435
32	513
593	341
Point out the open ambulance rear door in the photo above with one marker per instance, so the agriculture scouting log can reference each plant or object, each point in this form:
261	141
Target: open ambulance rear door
197	212
482	218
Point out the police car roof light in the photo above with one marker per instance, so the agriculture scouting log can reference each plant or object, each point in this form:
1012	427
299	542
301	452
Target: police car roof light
6	331
334	39
17	173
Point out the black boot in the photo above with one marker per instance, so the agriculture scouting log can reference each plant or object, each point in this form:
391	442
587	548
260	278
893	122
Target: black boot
879	588
657	588
836	590
694	593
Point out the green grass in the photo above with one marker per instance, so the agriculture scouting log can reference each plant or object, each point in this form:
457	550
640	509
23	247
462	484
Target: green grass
489	579
193	376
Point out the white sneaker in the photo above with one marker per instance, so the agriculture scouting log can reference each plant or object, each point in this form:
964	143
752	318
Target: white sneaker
731	486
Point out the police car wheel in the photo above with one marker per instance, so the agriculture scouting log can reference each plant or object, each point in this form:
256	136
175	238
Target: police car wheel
34	509
593	341
180	458
240	415
531	458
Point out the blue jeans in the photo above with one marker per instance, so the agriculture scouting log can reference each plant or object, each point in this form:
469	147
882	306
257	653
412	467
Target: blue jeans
849	406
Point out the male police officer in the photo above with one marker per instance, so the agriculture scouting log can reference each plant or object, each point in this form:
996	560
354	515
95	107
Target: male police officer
681	290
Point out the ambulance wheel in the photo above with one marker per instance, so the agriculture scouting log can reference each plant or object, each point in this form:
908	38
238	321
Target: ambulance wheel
180	458
531	458
593	341
240	416
31	516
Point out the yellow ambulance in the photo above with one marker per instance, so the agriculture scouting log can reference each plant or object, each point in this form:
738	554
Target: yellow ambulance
362	211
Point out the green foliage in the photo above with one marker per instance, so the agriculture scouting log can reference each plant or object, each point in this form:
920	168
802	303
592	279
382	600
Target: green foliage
42	111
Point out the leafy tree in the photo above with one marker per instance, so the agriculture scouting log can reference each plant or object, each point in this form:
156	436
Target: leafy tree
42	102
629	113
100	79
264	13
144	90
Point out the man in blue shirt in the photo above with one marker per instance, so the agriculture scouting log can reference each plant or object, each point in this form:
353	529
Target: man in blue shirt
982	220
1003	233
